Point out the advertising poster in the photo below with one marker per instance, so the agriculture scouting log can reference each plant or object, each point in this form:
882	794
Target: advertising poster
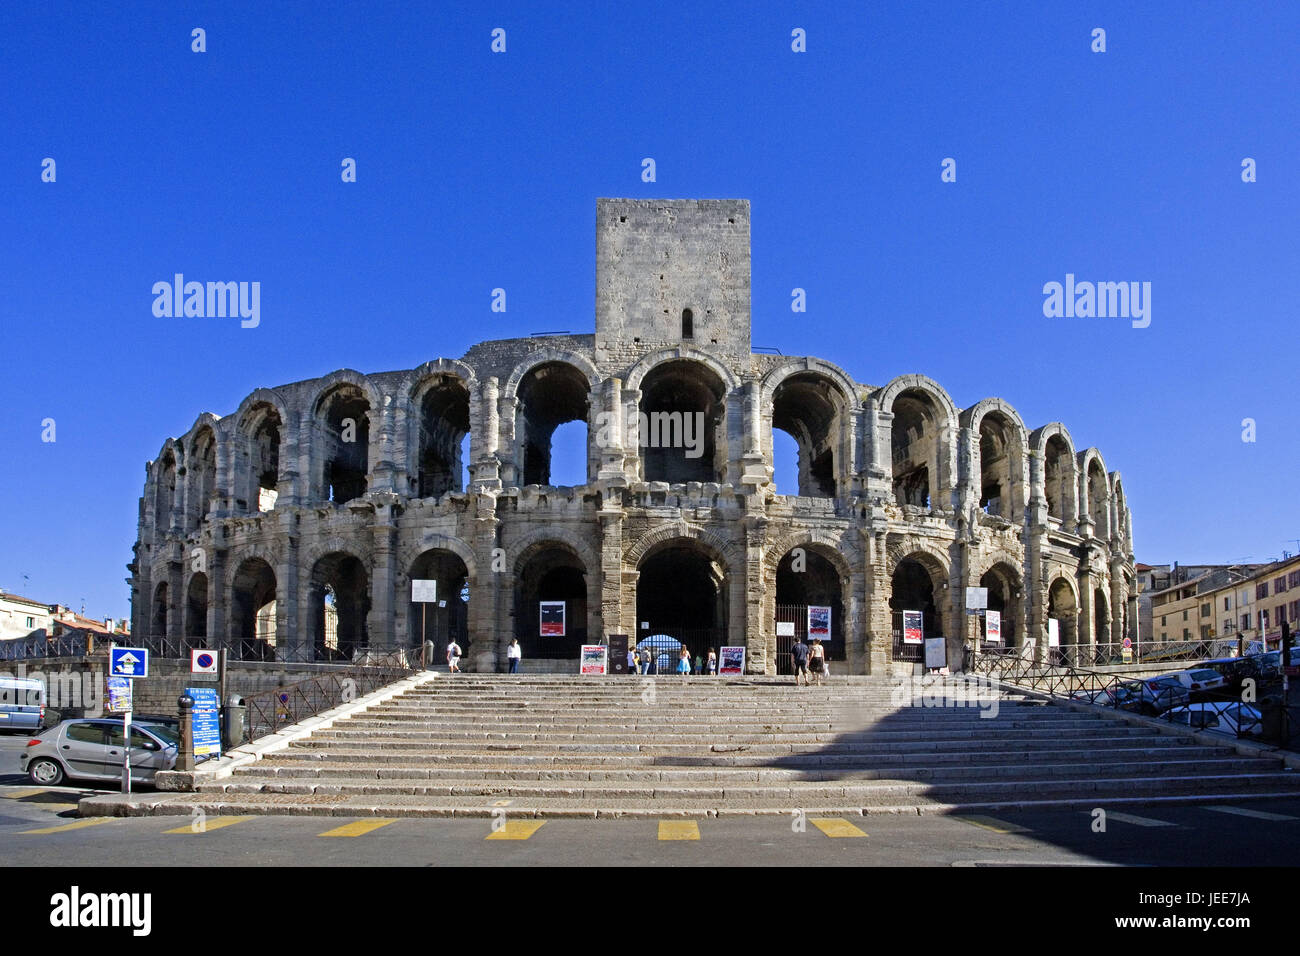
731	660
912	625
993	627
819	623
552	619
593	660
119	695
206	721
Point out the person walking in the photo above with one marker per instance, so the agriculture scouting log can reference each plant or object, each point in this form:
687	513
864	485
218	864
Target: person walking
453	657
633	661
817	661
799	656
699	664
514	654
684	663
712	665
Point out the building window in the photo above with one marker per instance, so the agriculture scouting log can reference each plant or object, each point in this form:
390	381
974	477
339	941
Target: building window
1245	622
1293	579
1184	614
1295	611
1162	620
1261	590
1281	614
31	622
1187	635
1227	625
1227	604
688	324
1206	609
1279	584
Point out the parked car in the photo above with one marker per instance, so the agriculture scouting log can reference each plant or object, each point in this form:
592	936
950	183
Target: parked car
1234	670
1152	695
1198	681
22	704
1222	717
92	750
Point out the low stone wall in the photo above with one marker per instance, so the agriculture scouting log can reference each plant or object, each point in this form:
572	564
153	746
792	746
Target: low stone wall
75	686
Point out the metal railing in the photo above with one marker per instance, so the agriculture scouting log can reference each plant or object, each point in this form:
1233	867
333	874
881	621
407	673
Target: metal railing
178	648
269	711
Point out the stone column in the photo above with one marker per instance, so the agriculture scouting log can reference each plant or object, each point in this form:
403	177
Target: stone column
760	645
485	440
1035	583
292	613
219	596
491	592
611	567
511	462
380	621
176	590
753	463
610	432
878	636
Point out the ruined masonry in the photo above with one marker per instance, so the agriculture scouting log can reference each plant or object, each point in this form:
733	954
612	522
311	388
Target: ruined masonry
292	528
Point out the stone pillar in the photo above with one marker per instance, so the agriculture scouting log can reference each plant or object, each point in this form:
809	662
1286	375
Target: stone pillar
219	595
485	440
511	469
759	635
631	400
1118	599
491	592
299	454
223	488
609	435
755	471
611	568
380	621
878	635
176	590
292	612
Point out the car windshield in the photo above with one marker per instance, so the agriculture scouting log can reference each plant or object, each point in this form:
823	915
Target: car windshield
1204	675
164	733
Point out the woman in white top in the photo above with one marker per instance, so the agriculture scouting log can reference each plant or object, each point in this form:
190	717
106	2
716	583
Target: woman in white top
514	654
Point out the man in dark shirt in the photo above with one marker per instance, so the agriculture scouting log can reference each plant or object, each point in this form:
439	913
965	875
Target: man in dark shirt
799	654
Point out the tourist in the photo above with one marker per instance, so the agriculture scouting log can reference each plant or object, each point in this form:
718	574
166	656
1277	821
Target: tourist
633	661
514	654
684	663
453	657
699	664
799	655
817	660
712	665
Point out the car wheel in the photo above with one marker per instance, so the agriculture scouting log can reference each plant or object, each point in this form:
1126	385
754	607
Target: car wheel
46	772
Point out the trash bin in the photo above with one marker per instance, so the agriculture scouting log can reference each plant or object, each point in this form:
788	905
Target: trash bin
235	727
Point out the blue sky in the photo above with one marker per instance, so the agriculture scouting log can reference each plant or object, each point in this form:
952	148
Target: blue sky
479	170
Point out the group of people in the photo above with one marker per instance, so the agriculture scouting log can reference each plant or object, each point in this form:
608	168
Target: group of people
809	662
646	661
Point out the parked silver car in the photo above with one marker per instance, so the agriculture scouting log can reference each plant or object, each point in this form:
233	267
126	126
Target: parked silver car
92	750
1223	717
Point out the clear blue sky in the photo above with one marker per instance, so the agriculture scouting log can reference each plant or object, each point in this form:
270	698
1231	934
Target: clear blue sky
478	170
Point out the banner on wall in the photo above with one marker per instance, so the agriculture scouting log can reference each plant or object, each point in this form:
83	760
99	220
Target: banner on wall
993	627
912	627
1053	632
819	622
551	621
731	660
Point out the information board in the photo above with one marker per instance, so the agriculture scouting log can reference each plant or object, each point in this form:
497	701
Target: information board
206	721
819	622
593	660
912	627
936	652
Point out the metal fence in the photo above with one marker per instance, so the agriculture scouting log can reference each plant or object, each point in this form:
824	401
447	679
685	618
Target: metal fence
178	648
269	711
797	615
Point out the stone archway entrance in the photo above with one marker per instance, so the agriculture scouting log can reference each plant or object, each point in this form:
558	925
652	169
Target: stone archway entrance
681	600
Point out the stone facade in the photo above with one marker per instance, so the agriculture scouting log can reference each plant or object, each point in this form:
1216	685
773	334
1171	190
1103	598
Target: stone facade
337	491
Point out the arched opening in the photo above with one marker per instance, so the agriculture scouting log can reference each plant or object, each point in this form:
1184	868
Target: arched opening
912	587
1058	475
551	575
1003	583
164	495
158	619
806	406
1062	608
1098	500
1000	465
914	441
551	395
807	579
447	618
1101	623
196	606
444	431
202	477
253	610
681	424
681	599
340	601
344	425
258	480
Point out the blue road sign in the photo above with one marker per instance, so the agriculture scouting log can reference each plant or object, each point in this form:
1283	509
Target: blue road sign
128	662
206	721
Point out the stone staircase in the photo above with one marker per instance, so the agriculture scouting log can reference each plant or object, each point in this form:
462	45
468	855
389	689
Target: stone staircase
556	746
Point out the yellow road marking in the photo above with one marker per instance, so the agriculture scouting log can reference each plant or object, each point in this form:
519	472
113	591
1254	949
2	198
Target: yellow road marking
679	830
23	794
834	827
212	823
79	824
358	828
989	823
516	830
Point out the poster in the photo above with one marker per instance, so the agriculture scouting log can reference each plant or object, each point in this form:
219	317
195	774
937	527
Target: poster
912	627
819	623
993	627
936	653
731	660
552	619
1053	632
119	695
593	660
206	722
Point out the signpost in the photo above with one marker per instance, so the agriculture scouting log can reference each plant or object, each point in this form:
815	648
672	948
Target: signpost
206	721
618	653
127	663
203	665
1126	651
424	591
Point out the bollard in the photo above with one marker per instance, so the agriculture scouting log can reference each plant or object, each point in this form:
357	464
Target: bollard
185	759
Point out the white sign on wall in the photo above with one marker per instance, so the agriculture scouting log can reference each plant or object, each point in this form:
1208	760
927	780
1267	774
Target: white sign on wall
1053	632
785	628
936	652
977	598
424	591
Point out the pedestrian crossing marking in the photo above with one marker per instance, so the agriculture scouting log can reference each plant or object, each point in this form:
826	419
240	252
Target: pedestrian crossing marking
679	830
516	830
1136	820
78	825
990	823
1256	814
211	823
834	827
357	828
